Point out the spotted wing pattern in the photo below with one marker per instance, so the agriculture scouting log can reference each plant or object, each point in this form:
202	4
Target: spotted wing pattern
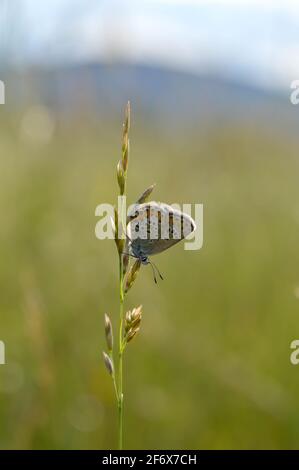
154	227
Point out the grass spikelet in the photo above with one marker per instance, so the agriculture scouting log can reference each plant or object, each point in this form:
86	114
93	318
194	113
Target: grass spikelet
132	275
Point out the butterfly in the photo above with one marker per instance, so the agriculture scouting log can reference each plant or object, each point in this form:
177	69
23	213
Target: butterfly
154	227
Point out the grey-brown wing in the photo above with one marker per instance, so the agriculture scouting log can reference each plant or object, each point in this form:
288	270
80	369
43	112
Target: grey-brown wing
152	247
159	228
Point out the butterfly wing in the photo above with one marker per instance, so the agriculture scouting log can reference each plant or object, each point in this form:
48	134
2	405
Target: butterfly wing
159	227
150	247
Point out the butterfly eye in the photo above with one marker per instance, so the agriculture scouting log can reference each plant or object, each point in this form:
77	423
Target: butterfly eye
137	228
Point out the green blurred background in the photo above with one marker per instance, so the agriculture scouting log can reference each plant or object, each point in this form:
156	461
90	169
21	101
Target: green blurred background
211	366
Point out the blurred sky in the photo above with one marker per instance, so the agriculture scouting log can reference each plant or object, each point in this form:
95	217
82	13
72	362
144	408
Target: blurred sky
255	41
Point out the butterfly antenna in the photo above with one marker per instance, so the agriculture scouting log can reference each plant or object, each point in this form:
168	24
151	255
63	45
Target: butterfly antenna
154	274
154	267
161	277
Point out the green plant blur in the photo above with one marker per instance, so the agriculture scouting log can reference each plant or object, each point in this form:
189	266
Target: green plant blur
210	367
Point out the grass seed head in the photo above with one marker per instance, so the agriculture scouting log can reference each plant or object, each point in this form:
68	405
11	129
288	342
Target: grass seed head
146	194
108	332
132	323
131	275
121	177
108	364
131	334
126	142
126	259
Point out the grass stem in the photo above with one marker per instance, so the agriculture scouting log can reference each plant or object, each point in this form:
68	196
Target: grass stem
120	355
